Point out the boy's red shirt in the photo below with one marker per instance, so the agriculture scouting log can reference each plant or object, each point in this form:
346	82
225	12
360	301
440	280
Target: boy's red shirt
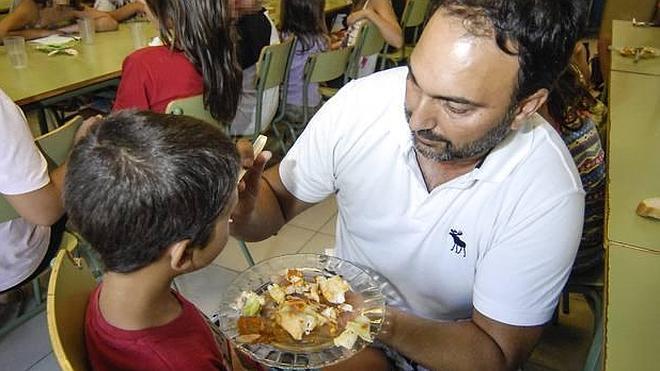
186	343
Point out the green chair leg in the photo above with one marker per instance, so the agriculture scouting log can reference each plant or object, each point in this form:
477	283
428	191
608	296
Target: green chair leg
40	306
36	290
246	252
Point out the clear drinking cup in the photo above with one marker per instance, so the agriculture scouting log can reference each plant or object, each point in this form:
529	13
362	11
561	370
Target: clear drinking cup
15	47
87	30
138	35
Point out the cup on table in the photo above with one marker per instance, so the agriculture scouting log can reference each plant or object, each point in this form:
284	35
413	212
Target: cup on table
86	29
138	35
15	47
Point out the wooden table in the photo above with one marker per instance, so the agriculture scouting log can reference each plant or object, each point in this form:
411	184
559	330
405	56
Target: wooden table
331	7
47	77
633	242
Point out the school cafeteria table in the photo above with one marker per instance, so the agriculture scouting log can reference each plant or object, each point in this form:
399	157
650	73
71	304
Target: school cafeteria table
47	77
633	242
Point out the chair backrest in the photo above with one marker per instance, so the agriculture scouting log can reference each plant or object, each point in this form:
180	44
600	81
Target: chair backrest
414	13
71	282
272	65
272	71
191	106
55	146
326	66
321	67
369	41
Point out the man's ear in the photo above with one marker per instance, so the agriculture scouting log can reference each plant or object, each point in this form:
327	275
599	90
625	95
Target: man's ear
528	106
181	254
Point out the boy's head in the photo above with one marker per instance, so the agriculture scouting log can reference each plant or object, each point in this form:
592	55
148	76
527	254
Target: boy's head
140	183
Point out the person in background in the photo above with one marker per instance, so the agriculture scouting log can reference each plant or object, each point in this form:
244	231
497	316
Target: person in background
448	183
304	20
573	112
198	58
381	14
27	244
39	18
120	10
186	171
255	31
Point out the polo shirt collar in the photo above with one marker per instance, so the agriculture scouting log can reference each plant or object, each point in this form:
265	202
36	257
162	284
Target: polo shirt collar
497	165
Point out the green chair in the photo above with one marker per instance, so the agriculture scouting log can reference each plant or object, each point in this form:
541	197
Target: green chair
55	147
413	17
273	71
322	67
193	107
369	42
319	67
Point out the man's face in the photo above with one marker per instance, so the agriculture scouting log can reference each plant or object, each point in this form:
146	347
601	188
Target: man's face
459	92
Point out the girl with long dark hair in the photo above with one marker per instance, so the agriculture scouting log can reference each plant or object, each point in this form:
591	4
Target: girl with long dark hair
198	56
305	20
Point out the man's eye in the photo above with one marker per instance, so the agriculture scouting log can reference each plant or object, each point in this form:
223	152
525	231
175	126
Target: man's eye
457	108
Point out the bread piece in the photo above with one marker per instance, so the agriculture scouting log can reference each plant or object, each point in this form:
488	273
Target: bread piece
649	207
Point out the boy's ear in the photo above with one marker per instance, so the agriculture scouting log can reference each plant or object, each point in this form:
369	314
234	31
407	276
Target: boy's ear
180	254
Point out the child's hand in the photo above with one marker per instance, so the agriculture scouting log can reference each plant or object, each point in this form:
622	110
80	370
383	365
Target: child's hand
358	15
248	187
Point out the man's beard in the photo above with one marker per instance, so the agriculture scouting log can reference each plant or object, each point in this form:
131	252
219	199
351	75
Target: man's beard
472	149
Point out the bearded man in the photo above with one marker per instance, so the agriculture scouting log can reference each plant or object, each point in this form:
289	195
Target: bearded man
447	183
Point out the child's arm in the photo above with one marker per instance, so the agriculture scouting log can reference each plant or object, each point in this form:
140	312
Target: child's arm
127	11
380	13
25	14
102	21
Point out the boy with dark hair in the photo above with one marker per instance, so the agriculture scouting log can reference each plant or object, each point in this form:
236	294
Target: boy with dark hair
153	194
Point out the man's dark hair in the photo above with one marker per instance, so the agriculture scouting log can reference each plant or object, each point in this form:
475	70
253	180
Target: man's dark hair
542	33
140	181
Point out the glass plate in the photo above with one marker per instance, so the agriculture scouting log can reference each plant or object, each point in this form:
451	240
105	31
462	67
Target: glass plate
294	355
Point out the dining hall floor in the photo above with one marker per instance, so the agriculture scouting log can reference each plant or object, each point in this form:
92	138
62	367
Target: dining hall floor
563	347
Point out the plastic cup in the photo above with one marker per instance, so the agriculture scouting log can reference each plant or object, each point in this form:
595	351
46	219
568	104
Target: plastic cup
137	34
15	47
87	30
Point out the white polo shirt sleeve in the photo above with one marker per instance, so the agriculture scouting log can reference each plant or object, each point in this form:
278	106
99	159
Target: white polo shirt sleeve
308	170
519	279
23	168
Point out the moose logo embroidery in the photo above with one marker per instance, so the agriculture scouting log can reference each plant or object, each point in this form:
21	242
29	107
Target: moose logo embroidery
459	245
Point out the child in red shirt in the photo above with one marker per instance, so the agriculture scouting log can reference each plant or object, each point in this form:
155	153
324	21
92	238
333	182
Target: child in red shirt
198	56
152	193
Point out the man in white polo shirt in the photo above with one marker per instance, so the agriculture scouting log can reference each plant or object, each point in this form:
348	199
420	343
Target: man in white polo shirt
447	183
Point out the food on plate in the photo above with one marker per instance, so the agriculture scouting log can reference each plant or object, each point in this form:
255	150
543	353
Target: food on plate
299	308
